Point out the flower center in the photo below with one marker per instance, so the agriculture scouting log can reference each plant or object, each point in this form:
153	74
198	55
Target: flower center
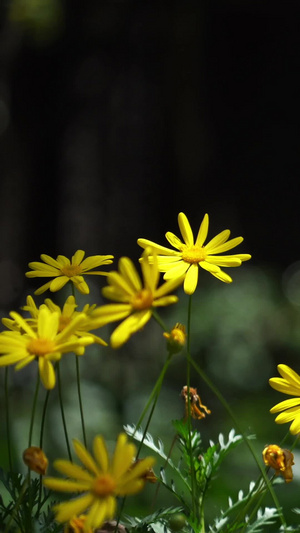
194	254
104	485
142	300
71	270
40	347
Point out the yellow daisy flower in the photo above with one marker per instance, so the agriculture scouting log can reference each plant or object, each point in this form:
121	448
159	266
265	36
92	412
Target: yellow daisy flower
289	383
193	254
101	480
67	315
135	299
44	343
64	270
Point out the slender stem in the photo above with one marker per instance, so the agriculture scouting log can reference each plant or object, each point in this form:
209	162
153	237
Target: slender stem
78	386
189	420
80	399
62	412
248	443
155	391
44	418
35	397
41	446
7	419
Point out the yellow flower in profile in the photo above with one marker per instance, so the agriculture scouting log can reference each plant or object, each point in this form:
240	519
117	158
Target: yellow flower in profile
135	299
44	343
66	315
190	254
289	383
64	270
101	480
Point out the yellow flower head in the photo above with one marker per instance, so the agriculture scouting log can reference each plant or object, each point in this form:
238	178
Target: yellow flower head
194	404
190	254
280	459
64	270
101	479
135	298
176	338
43	343
66	316
35	459
289	383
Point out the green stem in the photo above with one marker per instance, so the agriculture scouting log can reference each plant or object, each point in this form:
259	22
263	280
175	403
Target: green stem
41	446
246	440
35	397
79	387
63	413
189	419
44	418
80	399
155	391
7	419
33	410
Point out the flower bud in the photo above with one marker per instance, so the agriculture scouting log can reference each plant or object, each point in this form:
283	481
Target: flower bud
35	459
176	338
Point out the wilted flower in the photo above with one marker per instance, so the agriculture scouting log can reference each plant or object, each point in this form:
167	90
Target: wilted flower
279	459
195	405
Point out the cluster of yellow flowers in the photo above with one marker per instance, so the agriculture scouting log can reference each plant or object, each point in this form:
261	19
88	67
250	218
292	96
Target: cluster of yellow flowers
51	331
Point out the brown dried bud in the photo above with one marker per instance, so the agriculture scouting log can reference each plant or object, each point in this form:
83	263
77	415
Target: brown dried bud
35	459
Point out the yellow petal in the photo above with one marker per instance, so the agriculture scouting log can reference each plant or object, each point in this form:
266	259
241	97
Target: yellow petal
185	229
203	230
100	453
47	373
129	326
71	470
58	283
174	241
123	456
85	457
191	279
65	511
157	248
77	257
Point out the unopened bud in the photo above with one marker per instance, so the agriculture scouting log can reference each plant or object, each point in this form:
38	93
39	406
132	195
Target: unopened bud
176	338
36	460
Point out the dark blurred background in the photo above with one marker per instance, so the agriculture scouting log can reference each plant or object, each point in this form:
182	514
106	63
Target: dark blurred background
115	116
